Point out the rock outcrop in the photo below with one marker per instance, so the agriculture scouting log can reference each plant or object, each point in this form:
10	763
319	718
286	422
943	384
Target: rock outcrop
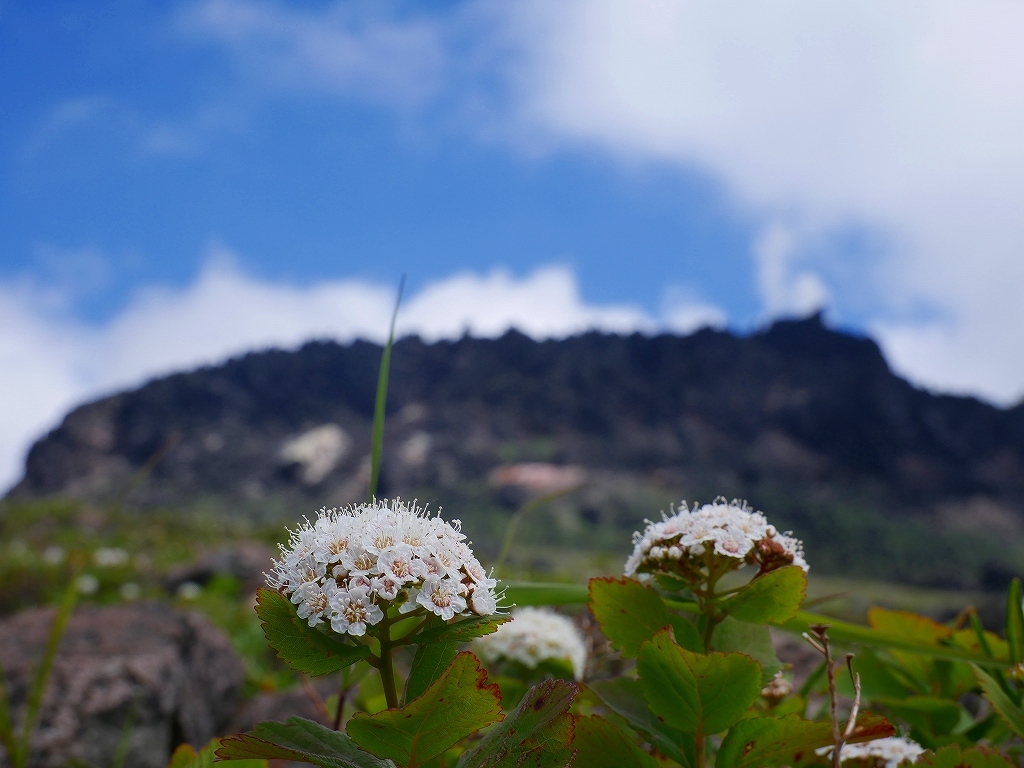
144	672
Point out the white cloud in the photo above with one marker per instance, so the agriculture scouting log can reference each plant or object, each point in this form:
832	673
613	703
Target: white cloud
785	291
903	117
52	363
355	48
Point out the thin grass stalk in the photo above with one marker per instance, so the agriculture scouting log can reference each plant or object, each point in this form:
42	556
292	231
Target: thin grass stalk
7	737
42	675
382	397
517	518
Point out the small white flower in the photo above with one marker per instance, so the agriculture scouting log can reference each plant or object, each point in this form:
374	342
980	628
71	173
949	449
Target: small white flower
396	562
483	602
130	591
352	611
189	590
891	752
385	587
533	636
54	555
110	557
87	584
314	600
441	596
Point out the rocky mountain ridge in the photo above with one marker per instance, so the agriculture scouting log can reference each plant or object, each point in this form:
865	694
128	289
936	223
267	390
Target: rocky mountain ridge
797	417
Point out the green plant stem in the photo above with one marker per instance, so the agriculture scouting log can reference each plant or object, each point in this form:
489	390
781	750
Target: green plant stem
386	664
699	751
381	401
517	518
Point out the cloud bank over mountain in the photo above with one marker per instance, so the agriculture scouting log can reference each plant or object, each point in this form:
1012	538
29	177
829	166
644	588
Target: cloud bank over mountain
52	362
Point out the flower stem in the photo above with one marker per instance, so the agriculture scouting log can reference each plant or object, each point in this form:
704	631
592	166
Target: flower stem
699	751
386	666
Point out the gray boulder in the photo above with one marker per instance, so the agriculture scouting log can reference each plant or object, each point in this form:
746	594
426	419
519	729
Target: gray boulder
142	672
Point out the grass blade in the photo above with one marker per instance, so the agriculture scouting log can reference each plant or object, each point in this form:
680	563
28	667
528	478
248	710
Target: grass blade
1015	622
6	727
42	675
382	397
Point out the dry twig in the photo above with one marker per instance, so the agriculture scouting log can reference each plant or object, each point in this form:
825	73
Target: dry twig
821	644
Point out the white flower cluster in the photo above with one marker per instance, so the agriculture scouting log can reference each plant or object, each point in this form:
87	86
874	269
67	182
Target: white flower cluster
891	752
350	565
535	635
684	543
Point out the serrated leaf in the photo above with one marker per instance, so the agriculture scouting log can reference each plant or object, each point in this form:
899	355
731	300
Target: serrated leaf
629	612
538	733
696	693
430	661
186	757
456	705
973	757
732	636
299	740
464	630
1008	710
789	740
773	597
599	744
300	646
1015	621
686	633
930	714
624	697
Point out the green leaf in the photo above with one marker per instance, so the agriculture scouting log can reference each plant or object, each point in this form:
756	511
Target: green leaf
973	757
539	732
629	612
599	744
773	597
182	756
890	637
299	740
930	714
464	630
877	680
695	693
456	705
789	740
1008	710
41	677
686	633
430	661
732	636
300	646
624	697
186	757
1015	622
380	402
522	593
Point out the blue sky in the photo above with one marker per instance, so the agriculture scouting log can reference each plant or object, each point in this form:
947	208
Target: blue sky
305	187
184	180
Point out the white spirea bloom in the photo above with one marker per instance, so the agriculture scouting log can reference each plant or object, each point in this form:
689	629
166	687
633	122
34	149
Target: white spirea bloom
534	635
891	752
720	534
349	566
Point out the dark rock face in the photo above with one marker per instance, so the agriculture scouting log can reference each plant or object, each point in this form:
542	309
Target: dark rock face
145	670
798	400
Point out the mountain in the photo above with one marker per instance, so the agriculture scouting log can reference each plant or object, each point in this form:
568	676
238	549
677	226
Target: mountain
879	477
